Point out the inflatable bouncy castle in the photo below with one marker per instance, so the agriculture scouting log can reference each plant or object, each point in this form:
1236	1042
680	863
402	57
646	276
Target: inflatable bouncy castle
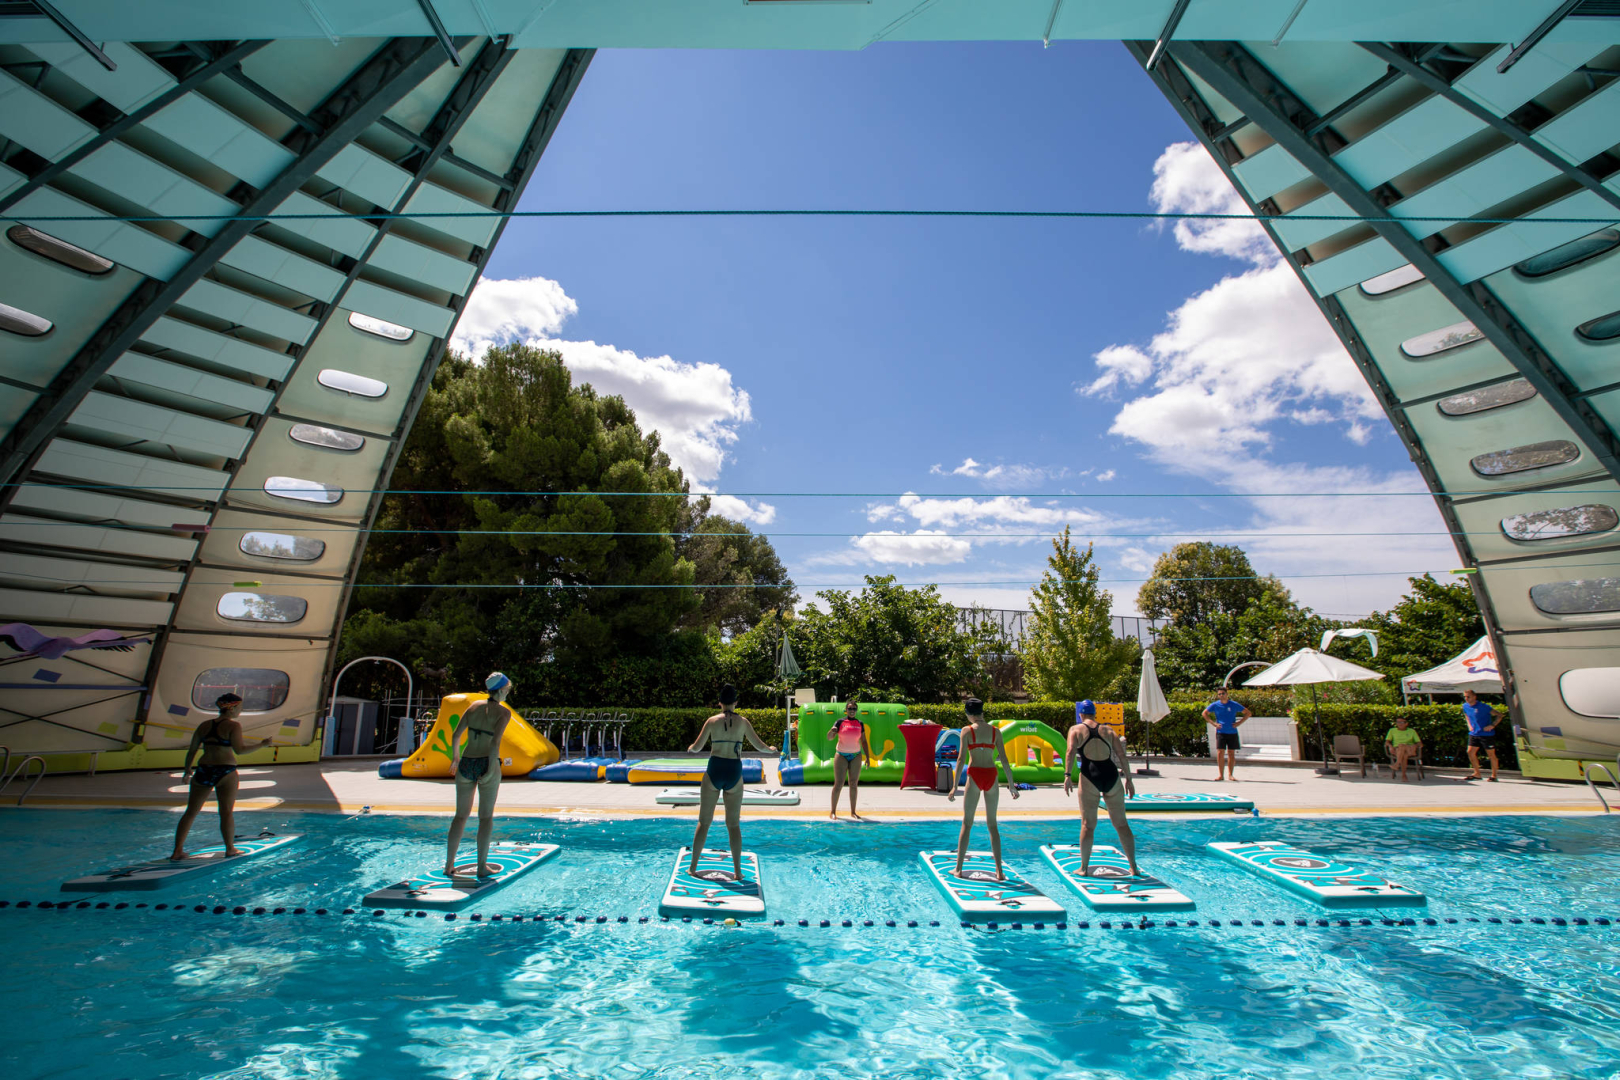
523	749
814	763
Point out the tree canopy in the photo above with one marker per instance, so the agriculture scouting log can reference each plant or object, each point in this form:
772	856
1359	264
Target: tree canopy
545	521
1071	651
1432	623
1192	583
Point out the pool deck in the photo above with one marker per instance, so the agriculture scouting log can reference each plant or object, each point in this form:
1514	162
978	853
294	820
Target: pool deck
350	785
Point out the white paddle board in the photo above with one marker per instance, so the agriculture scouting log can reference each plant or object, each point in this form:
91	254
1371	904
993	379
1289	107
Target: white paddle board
1187	800
1111	886
161	872
976	894
754	796
1322	878
714	890
436	890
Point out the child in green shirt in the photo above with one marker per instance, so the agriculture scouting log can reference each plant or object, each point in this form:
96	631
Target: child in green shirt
1401	744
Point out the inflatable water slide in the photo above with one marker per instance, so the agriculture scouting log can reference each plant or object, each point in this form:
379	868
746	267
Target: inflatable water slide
523	749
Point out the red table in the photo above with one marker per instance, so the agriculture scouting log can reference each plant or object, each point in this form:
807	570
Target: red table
920	740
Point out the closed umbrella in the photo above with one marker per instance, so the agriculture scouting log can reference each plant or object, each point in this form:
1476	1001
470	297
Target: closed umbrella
1310	666
787	669
1151	707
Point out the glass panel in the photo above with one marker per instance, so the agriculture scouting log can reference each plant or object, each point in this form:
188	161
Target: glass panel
1586	597
1592	691
1438	341
1565	521
274	545
1605	329
261	607
1559	258
1522	458
381	327
326	438
1383	283
59	251
261	689
1486	397
348	382
23	322
291	487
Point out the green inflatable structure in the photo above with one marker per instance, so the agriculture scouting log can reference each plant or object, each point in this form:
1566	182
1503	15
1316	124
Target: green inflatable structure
1035	750
814	763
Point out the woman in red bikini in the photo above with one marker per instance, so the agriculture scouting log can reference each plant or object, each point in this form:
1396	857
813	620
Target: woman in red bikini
981	746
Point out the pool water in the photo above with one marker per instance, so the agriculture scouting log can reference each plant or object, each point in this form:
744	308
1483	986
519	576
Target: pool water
99	994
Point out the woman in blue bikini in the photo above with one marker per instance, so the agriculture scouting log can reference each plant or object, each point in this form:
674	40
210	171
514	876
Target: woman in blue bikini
854	747
725	732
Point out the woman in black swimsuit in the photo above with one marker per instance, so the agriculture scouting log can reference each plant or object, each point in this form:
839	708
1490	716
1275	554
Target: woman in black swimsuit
725	732
1104	777
220	740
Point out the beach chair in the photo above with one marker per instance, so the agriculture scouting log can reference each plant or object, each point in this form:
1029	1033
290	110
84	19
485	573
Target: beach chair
1348	748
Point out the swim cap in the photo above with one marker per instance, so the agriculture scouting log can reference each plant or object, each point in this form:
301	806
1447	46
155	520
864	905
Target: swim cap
973	707
227	699
1085	708
496	682
728	694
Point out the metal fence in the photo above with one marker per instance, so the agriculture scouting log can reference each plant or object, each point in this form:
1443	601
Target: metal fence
1012	625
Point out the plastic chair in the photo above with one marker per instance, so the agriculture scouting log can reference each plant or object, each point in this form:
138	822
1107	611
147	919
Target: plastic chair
1348	748
1413	762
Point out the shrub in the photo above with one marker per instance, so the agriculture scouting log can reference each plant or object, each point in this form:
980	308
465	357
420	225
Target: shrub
663	731
1442	728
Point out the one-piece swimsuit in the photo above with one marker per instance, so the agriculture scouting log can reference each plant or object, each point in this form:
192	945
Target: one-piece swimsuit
1102	772
984	776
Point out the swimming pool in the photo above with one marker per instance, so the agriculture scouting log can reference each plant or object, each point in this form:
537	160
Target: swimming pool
94	994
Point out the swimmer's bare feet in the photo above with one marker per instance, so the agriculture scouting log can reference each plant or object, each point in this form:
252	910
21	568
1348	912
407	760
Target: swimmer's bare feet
232	852
485	870
179	856
1085	871
1134	871
959	868
856	816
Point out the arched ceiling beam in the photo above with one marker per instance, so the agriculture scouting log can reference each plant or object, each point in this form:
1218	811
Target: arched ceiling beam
379	84
1231	72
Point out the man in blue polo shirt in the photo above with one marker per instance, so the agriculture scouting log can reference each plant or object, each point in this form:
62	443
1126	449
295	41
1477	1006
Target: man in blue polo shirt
1225	714
1481	732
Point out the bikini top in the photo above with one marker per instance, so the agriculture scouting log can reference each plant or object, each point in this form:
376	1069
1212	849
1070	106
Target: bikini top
715	740
214	738
991	745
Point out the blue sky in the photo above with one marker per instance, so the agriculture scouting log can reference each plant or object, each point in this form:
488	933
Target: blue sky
1070	362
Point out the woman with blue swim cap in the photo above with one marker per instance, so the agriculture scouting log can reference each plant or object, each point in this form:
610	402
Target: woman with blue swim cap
476	763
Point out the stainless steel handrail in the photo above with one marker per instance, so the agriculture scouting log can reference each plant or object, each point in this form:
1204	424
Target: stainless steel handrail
1586	774
7	778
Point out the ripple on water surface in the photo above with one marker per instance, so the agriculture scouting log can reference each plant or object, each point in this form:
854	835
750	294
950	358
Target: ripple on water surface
94	995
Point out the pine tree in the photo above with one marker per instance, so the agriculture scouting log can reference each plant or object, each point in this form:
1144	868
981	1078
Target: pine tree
1071	651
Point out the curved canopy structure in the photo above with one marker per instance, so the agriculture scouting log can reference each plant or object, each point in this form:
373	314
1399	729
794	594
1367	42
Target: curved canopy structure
190	404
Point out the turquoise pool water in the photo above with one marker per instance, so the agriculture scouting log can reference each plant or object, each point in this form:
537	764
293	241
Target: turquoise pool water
93	994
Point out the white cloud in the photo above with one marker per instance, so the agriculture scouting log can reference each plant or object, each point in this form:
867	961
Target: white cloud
695	407
729	506
925	547
1001	477
1119	364
1106	475
1187	180
1138	560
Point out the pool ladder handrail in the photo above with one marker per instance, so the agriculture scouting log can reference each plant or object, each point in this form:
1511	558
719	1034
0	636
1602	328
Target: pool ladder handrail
7	777
1614	778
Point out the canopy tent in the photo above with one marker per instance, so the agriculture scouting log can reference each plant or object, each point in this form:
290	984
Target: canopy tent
1473	669
1150	706
1309	666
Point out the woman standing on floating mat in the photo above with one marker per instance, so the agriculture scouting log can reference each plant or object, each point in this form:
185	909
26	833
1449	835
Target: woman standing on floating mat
1104	776
725	732
981	746
220	740
854	747
477	764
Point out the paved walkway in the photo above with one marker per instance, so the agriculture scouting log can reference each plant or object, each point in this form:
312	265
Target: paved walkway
346	785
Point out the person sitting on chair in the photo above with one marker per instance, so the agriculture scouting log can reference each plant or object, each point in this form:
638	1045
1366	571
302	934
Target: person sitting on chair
1402	744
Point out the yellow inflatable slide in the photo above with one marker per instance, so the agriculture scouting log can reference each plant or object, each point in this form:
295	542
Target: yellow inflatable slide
522	747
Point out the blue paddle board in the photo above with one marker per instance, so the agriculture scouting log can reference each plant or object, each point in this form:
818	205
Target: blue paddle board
161	872
1188	800
714	890
1322	878
435	890
1111	886
975	894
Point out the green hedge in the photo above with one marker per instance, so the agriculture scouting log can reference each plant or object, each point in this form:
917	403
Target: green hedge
1275	702
1442	728
661	731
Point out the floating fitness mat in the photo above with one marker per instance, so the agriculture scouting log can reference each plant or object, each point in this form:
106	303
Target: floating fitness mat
1322	878
1111	886
160	872
713	890
1188	800
434	890
976	894
754	796
680	771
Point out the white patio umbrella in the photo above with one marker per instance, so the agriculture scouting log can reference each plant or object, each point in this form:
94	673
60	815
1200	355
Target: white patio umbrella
1151	707
787	669
1311	666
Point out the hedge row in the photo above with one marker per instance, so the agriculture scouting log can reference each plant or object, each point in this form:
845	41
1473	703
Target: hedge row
1442	728
661	731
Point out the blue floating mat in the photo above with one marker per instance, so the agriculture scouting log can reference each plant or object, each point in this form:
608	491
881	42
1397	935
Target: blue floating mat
714	890
1322	878
161	872
578	769
751	797
977	895
1111	886
436	891
1188	800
